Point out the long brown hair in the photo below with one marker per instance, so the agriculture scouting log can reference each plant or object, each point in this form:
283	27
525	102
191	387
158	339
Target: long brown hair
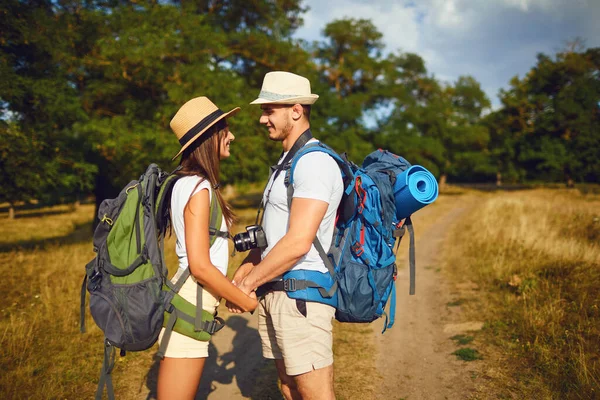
203	159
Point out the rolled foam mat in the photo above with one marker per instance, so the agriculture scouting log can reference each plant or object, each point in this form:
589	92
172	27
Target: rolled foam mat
414	189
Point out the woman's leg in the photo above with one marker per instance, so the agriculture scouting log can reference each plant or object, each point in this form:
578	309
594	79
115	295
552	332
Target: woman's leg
178	378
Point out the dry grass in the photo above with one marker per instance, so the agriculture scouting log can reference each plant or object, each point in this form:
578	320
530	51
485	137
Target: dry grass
43	355
535	256
42	259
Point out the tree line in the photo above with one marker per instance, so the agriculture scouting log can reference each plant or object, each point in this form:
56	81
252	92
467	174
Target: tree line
89	86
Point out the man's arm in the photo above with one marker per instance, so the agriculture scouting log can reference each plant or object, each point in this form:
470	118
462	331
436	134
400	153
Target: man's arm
252	259
305	217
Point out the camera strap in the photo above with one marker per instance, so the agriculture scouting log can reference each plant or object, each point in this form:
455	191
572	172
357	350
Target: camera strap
282	166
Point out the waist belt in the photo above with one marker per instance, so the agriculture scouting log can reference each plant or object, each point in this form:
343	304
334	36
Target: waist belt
286	285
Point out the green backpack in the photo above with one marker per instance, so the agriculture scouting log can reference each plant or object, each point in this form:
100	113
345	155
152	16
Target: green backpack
131	298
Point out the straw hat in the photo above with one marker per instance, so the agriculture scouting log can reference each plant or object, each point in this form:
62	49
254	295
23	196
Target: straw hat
194	118
285	88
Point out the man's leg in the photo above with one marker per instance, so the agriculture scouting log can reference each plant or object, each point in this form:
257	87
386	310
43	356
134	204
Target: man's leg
316	384
288	384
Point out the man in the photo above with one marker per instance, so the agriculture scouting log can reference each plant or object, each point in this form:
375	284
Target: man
296	333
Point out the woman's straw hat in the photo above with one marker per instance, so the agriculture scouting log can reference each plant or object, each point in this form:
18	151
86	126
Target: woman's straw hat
285	88
194	118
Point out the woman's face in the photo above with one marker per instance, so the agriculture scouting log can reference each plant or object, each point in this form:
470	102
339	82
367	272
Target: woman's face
226	139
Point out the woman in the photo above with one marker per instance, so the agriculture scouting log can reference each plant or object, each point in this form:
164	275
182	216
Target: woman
202	131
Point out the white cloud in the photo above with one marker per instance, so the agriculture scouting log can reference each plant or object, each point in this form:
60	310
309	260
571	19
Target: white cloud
491	40
398	24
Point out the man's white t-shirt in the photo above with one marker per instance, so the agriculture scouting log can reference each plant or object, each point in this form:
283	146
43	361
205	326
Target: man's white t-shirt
182	192
316	176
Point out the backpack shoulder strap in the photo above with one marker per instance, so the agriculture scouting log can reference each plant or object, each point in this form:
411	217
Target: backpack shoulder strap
310	148
216	219
289	180
163	202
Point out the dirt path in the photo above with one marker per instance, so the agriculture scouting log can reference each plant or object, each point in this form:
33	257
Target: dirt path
414	357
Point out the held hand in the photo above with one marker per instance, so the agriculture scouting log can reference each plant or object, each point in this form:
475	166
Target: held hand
233	308
255	301
243	286
238	310
241	273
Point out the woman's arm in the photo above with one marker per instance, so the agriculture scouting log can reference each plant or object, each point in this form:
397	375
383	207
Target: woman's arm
197	243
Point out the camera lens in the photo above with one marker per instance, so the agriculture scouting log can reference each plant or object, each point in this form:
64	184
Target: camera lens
242	242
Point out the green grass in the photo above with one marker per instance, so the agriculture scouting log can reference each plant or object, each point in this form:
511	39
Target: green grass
462	339
467	354
455	303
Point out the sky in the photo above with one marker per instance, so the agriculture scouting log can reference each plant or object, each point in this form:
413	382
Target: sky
491	40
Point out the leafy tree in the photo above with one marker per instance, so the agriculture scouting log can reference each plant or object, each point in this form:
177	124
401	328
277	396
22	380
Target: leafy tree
547	128
349	63
432	124
39	101
104	79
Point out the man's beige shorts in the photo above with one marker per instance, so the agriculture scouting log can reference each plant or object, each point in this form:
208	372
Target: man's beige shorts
181	346
303	342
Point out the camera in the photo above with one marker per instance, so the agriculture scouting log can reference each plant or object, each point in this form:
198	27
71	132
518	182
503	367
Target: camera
253	237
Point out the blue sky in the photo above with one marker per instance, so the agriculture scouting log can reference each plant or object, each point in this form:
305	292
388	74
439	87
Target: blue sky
492	40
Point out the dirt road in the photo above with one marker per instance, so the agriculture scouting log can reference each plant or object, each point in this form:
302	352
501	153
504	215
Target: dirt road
414	357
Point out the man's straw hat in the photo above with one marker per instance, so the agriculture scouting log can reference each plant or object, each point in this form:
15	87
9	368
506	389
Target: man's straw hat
285	88
194	118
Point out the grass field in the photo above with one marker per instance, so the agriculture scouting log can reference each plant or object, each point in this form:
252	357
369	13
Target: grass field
42	257
533	255
535	258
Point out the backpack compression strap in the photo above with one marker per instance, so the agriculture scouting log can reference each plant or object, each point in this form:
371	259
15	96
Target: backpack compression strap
399	233
106	372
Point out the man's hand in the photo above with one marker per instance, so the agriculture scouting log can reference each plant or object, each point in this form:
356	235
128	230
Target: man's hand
242	272
243	286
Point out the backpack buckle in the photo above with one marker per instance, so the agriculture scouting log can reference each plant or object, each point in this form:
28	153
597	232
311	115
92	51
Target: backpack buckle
94	280
358	249
107	220
289	285
211	327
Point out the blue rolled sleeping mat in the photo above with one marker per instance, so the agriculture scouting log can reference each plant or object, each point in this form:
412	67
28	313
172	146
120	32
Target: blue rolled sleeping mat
414	189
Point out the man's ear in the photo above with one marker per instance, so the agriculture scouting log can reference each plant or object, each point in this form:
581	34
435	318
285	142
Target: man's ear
297	112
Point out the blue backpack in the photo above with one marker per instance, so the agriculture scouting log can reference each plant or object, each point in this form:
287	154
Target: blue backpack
361	259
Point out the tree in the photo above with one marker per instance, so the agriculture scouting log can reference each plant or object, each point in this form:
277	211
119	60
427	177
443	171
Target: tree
349	63
104	79
432	124
547	128
39	102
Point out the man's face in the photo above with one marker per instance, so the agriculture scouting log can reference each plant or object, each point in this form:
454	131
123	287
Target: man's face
278	120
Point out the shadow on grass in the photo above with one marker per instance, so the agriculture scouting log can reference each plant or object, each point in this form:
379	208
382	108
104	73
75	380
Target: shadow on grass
82	233
256	377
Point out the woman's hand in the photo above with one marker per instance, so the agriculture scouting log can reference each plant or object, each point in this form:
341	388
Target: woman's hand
252	304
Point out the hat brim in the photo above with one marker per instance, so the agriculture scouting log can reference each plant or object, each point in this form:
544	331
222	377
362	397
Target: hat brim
188	144
305	100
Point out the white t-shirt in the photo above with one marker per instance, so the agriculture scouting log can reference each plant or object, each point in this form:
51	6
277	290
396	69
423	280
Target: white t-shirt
182	192
316	176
